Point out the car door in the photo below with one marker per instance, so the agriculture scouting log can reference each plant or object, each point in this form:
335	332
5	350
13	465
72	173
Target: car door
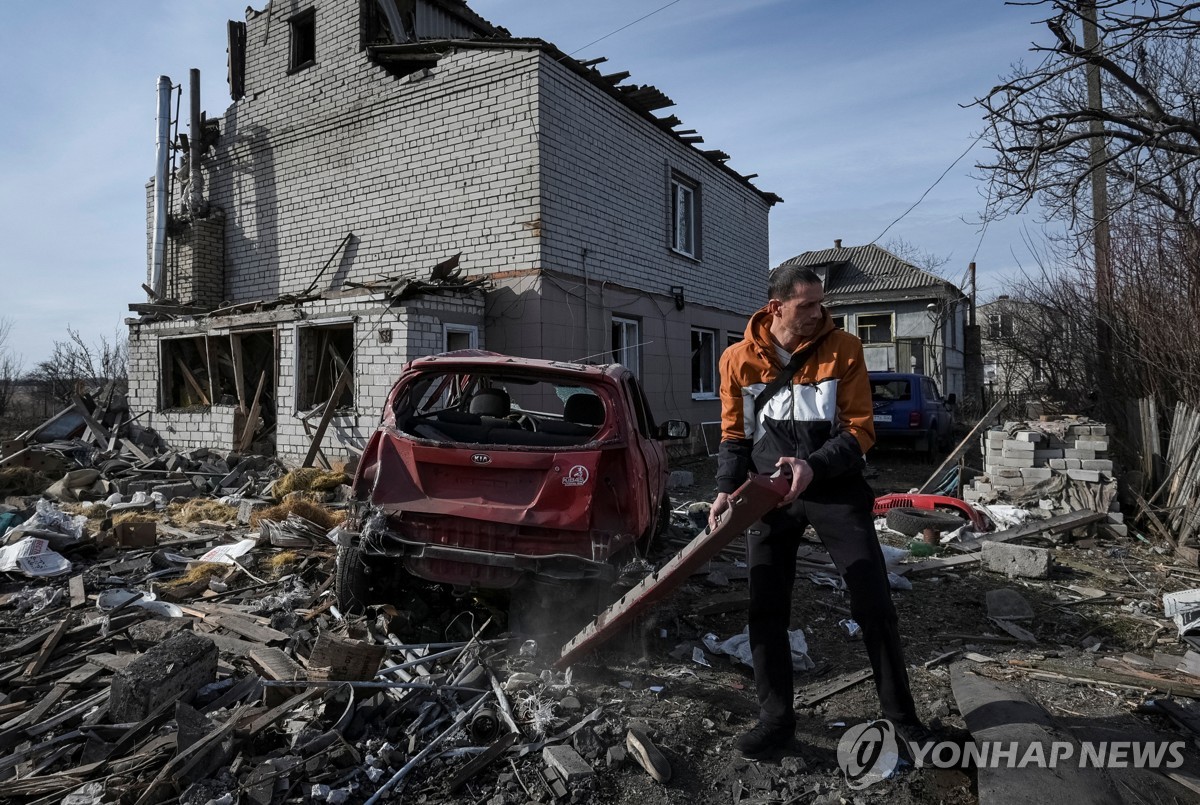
647	450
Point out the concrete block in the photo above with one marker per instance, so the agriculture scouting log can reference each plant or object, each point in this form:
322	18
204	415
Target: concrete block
183	489
1021	454
1098	464
1005	472
1075	452
568	763
1016	560
1013	444
1098	430
1116	517
1120	529
1058	463
1098	445
1073	463
616	757
1090	476
680	478
973	496
1035	474
172	670
247	507
1007	483
982	486
1028	436
152	632
1046	455
1018	462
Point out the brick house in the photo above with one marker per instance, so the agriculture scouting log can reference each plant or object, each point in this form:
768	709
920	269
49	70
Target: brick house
368	142
909	320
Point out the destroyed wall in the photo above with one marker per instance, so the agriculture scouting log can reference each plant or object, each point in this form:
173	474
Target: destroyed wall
385	338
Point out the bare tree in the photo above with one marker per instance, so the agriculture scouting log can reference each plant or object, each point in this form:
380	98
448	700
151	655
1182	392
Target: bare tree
74	361
1041	125
10	367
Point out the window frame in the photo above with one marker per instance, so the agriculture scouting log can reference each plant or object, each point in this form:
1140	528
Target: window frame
997	322
713	370
302	388
680	182
308	19
627	349
858	325
472	331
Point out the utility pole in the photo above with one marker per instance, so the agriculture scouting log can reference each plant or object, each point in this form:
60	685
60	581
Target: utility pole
1100	232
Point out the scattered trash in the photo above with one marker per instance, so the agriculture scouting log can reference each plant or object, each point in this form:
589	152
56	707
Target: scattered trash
738	647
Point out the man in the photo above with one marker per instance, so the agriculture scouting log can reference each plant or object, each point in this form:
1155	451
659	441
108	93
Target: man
817	426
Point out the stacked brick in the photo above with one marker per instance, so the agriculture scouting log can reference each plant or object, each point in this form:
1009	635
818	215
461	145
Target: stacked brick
1022	455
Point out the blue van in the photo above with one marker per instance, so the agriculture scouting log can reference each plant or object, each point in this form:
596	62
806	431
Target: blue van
910	409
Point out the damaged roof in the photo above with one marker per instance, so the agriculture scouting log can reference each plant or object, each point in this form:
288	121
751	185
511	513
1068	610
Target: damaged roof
433	41
857	270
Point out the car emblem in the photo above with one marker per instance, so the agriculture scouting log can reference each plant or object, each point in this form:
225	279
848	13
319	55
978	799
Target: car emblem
481	458
578	476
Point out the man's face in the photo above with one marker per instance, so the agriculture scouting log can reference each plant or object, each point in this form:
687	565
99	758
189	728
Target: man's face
801	315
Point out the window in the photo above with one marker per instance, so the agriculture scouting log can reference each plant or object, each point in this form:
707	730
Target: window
839	322
704	364
304	40
875	328
459	336
1000	325
732	338
627	343
685	216
1036	373
322	354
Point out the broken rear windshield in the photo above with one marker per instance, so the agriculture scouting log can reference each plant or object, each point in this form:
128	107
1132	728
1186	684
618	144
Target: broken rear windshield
891	390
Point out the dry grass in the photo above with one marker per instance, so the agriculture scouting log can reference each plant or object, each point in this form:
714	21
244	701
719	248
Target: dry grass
136	516
309	479
301	507
22	481
197	509
280	563
198	573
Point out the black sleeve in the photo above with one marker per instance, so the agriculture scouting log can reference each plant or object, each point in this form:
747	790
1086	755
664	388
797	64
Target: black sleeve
733	464
838	455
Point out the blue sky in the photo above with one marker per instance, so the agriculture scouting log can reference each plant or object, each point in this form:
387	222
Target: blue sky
849	110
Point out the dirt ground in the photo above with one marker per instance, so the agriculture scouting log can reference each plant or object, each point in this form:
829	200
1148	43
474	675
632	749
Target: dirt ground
693	713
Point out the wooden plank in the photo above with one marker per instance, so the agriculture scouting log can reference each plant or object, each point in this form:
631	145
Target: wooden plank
1130	679
98	432
276	713
277	665
239	379
1051	525
191	381
247	436
962	447
137	451
811	695
498	748
934	564
43	656
247	628
330	409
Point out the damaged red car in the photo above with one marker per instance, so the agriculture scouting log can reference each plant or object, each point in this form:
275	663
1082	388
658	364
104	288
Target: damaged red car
490	471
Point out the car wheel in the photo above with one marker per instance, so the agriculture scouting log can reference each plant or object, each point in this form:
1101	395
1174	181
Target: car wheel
351	582
911	522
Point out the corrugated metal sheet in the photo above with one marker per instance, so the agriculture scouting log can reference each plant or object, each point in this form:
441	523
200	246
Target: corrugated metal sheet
863	269
434	23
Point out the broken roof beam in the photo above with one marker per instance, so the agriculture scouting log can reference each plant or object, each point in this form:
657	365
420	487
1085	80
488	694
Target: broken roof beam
716	154
647	98
612	79
593	62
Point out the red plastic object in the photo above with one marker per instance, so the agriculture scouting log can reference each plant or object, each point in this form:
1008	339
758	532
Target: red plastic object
979	520
751	501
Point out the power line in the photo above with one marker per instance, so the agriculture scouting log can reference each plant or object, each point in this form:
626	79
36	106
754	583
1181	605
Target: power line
623	27
929	189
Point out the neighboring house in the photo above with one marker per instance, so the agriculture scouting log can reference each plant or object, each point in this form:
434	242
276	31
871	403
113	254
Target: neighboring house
369	142
909	320
1031	351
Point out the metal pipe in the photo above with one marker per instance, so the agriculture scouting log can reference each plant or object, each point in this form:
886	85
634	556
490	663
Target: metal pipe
195	139
162	156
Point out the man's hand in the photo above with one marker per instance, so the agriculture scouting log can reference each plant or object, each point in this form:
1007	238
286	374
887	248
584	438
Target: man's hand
719	505
802	476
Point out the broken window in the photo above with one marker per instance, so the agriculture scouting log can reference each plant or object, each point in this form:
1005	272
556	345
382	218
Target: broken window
627	343
304	40
704	364
323	353
459	336
185	372
875	328
685	216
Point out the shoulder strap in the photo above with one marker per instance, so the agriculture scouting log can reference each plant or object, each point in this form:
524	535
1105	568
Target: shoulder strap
784	377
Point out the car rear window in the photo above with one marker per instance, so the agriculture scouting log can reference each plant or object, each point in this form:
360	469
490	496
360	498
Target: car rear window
891	390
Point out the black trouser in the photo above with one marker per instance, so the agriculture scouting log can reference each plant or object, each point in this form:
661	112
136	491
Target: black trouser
840	511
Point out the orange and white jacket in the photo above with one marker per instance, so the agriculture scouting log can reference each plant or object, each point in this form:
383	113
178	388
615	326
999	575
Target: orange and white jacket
823	416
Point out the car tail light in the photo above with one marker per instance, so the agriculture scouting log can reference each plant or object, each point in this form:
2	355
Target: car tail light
914	419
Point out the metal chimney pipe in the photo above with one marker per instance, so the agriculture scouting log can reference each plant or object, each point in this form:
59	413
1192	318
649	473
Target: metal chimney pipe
195	136
162	157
